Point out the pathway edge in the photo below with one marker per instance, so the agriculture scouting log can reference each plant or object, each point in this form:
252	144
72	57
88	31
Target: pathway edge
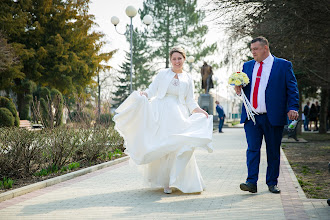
49	182
293	177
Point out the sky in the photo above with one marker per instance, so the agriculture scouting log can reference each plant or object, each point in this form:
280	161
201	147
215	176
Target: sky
103	10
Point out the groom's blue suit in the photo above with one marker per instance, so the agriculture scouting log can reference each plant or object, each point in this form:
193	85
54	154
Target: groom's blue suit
281	96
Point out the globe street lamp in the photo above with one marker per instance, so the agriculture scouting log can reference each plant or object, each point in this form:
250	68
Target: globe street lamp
131	12
190	60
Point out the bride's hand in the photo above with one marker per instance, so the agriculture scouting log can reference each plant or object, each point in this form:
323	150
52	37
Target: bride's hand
144	93
199	110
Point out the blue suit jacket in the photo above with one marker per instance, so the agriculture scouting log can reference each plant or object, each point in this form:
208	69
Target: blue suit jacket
220	111
281	92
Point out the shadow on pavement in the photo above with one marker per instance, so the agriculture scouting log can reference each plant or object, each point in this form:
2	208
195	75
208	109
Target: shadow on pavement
142	201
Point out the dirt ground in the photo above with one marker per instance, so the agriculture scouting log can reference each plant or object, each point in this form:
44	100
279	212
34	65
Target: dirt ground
310	163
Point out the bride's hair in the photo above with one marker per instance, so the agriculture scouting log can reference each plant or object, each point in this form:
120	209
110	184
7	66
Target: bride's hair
179	50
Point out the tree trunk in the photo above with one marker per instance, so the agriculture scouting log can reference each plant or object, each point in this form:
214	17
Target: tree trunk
99	97
324	107
20	106
300	109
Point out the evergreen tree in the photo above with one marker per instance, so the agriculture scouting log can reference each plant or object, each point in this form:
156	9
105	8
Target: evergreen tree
142	69
122	82
54	42
7	60
176	22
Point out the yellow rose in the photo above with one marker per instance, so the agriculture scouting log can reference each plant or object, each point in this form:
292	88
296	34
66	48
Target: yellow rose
246	80
231	80
235	75
238	82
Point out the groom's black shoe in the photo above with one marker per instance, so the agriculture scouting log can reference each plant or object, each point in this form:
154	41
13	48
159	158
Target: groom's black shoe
252	188
274	189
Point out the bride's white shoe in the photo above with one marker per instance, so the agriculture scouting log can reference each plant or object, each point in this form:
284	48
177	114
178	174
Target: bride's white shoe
167	190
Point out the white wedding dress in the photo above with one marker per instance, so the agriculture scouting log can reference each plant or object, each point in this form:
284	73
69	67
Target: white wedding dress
160	136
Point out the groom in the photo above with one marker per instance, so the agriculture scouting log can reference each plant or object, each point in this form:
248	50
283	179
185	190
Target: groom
274	94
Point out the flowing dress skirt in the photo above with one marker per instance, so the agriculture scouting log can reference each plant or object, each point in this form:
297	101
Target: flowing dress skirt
160	135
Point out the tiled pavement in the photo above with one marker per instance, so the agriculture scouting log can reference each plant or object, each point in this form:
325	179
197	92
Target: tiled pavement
117	192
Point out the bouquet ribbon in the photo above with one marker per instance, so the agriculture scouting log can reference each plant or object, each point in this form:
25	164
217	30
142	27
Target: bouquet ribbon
250	111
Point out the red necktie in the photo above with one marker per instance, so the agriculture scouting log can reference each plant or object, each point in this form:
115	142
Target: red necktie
256	86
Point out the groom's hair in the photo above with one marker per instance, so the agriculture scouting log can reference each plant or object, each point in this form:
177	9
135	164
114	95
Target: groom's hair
261	39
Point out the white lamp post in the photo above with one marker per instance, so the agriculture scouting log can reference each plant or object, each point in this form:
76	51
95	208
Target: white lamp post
131	12
217	81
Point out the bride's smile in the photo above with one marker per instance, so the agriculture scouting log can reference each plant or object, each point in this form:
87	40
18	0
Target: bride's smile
177	61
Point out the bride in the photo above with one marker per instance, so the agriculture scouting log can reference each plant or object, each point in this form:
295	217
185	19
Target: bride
161	134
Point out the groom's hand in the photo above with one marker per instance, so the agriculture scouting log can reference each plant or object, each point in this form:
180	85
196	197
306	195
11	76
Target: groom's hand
293	115
238	89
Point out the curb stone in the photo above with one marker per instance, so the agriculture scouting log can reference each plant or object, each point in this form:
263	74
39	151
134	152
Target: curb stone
293	176
49	182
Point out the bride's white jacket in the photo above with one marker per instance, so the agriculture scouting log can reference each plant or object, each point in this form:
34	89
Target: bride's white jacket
159	85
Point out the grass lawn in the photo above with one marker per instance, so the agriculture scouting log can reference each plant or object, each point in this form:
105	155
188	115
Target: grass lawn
309	162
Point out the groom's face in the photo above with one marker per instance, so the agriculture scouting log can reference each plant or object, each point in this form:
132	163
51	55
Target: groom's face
259	51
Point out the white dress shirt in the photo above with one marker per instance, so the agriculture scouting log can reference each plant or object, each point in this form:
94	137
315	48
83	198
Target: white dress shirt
266	68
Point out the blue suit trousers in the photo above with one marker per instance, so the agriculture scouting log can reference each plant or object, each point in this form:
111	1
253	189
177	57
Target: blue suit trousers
254	136
221	121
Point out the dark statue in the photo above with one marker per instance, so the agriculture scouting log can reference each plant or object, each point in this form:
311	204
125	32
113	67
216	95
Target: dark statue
207	73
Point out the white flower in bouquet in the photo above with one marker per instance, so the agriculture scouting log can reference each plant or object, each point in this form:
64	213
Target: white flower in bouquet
241	79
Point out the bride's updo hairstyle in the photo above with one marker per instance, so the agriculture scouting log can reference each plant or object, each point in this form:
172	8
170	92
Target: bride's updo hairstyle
179	50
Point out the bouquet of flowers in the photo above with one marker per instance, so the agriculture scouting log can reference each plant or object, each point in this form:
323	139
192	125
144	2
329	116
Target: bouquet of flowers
241	79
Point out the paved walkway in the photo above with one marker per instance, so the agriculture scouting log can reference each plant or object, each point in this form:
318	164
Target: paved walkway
117	192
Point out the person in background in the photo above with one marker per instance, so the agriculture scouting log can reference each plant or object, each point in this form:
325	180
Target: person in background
313	116
221	115
306	113
318	109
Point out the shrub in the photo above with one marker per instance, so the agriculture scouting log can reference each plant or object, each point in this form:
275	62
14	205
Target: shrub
80	117
57	102
95	143
24	153
24	113
25	90
61	143
6	118
115	140
8	103
20	152
48	100
105	119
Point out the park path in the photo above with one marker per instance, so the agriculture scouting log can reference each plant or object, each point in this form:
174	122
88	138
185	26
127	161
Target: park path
117	192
